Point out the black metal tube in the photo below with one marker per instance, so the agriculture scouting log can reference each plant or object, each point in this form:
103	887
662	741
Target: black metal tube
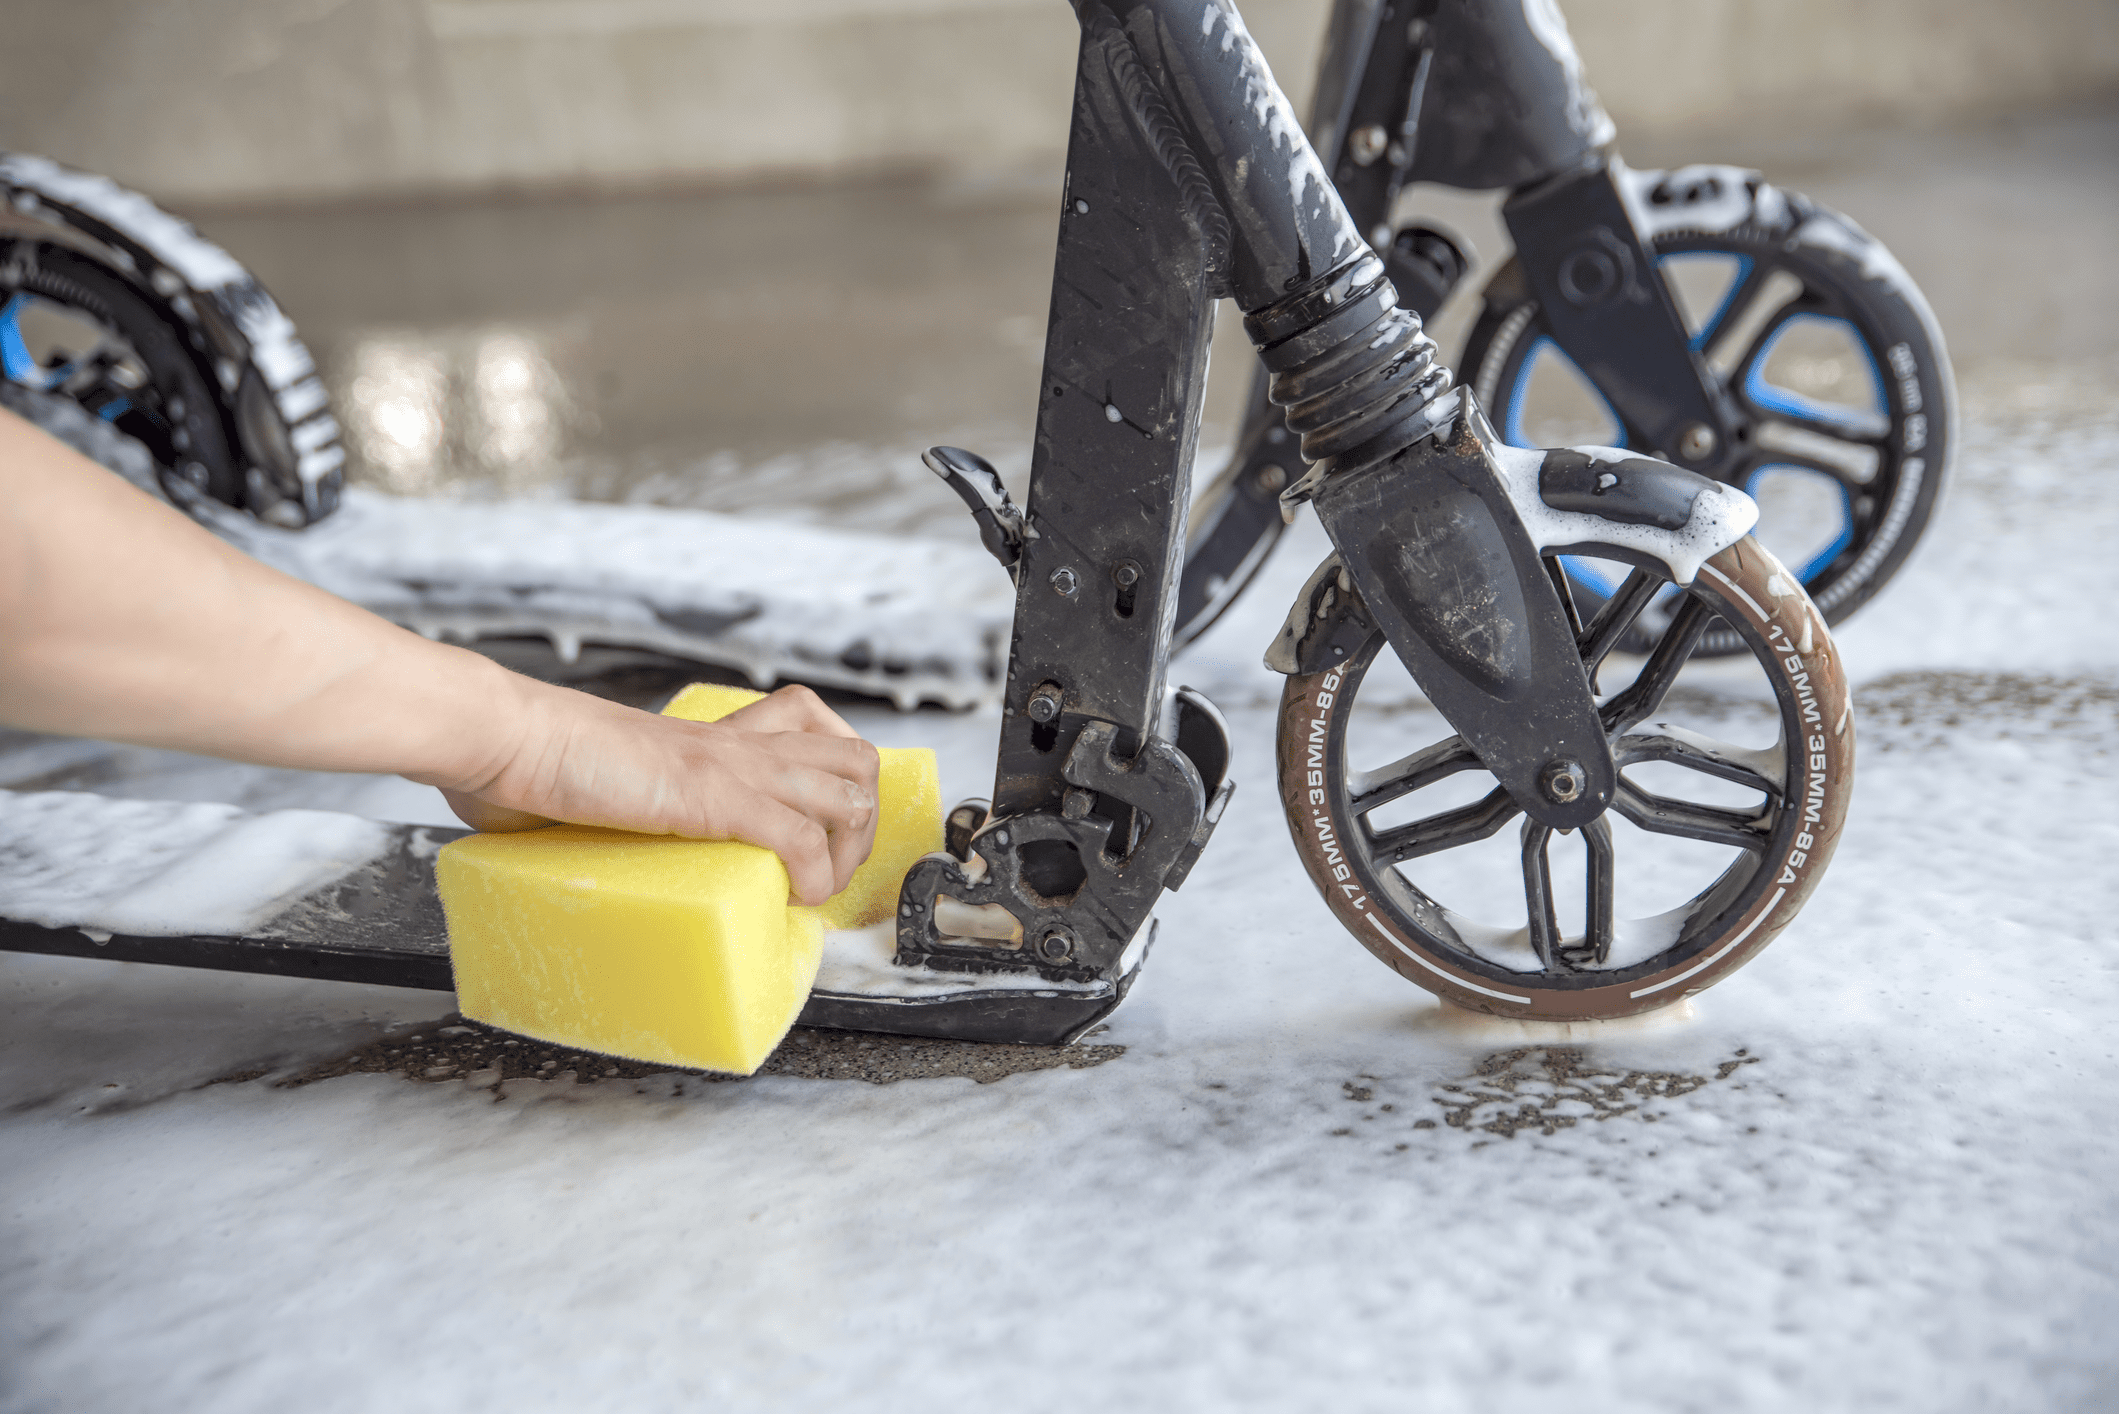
1291	226
1356	372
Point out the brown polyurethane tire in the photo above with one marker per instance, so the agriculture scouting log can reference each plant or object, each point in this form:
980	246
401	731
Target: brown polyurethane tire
1785	633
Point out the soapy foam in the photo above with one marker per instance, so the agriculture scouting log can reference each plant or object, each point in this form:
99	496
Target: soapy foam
167	869
1721	515
1892	1135
912	620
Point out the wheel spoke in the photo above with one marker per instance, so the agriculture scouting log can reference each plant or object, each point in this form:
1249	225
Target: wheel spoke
1660	815
1367	790
1465	825
1603	889
1661	670
1763	769
1737	309
1615	618
1850	425
93	371
1849	475
1537	894
1840	454
1761	336
1560	583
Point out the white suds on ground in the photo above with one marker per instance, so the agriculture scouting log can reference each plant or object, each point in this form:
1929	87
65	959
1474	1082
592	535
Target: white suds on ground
1873	1171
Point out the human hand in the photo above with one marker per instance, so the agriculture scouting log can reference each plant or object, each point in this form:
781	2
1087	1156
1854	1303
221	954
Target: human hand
786	773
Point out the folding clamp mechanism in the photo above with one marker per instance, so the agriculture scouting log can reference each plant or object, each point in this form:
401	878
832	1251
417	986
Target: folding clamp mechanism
1062	893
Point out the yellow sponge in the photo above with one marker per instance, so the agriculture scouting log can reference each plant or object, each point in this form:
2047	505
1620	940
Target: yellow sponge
908	811
644	946
661	949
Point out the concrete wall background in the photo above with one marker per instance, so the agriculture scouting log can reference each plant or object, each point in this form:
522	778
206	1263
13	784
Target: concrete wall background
268	101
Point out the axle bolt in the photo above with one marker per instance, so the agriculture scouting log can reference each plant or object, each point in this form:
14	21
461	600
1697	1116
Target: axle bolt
1044	705
1271	479
1697	442
1563	781
1591	275
1126	574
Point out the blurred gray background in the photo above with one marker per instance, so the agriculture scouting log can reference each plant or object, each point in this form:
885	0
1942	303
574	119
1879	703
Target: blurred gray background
754	254
269	101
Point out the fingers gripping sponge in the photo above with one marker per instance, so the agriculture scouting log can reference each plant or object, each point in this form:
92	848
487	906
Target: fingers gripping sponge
662	949
908	812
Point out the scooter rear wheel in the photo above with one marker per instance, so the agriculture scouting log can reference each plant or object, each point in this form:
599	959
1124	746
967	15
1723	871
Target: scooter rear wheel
1826	349
1401	842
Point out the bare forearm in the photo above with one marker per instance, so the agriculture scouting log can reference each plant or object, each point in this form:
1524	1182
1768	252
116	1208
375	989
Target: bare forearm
121	619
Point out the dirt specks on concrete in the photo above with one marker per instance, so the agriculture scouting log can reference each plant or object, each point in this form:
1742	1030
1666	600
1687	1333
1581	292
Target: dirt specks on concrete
1548	1089
855	1055
1918	709
1538	1089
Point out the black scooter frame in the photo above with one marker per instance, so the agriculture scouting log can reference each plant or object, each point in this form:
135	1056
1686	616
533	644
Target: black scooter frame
1188	180
1477	95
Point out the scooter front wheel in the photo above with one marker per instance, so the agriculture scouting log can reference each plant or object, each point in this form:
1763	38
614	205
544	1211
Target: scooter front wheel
1730	803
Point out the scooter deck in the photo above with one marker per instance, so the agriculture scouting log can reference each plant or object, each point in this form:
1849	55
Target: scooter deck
910	620
350	900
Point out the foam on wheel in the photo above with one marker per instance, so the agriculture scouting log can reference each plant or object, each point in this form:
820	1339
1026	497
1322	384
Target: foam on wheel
110	303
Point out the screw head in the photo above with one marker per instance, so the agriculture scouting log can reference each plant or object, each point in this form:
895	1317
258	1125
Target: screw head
1365	145
1126	574
1271	479
1044	704
1563	781
1064	583
1055	946
1697	442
